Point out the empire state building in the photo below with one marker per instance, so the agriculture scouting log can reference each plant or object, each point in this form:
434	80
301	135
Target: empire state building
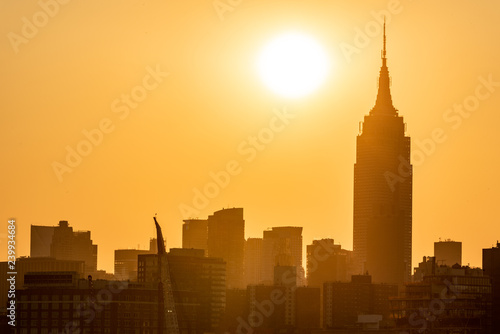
383	190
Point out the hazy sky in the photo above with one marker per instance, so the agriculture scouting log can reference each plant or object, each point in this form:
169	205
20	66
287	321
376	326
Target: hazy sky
173	88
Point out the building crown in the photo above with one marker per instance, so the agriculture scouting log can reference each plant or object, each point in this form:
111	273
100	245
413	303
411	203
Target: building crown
383	104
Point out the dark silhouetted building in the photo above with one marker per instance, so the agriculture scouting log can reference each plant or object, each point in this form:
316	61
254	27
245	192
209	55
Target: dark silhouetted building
253	261
307	309
226	240
491	267
427	267
198	284
285	276
41	239
61	302
195	234
273	309
62	243
448	252
327	262
26	265
126	263
281	244
382	235
279	308
343	302
452	300
236	313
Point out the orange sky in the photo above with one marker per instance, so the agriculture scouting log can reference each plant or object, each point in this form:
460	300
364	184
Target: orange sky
68	75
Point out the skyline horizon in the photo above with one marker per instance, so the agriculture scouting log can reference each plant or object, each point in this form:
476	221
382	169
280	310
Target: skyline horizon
304	246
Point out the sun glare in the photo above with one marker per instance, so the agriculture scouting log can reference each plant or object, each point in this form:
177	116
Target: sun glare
293	65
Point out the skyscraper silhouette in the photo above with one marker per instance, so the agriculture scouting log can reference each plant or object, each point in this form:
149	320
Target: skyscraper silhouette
383	190
195	234
226	240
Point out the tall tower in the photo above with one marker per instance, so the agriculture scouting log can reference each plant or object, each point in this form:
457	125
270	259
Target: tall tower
226	240
383	190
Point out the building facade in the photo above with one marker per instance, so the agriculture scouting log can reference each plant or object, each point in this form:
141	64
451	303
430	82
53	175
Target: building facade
281	246
61	302
268	309
26	265
198	284
126	263
452	300
491	267
226	240
40	240
343	302
448	252
253	261
62	243
382	234
195	234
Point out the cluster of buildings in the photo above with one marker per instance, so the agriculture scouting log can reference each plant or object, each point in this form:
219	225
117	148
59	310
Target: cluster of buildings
257	285
224	283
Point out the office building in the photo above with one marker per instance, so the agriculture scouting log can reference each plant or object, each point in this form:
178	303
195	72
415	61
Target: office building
62	243
448	252
382	234
41	239
26	265
59	302
491	268
344	302
195	234
198	284
452	300
226	240
281	243
253	261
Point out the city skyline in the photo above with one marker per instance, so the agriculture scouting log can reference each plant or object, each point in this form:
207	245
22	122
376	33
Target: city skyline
190	127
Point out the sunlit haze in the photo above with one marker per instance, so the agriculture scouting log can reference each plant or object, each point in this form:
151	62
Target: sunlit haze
114	111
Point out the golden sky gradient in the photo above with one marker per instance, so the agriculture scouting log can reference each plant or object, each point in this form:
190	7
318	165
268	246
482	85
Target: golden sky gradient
199	99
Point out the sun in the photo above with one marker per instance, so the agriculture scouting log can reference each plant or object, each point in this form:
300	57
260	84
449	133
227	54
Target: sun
293	65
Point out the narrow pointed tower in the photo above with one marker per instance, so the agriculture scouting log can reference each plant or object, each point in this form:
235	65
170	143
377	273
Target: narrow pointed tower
383	175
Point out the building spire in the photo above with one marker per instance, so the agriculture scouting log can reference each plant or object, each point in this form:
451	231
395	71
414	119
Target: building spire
383	105
384	50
